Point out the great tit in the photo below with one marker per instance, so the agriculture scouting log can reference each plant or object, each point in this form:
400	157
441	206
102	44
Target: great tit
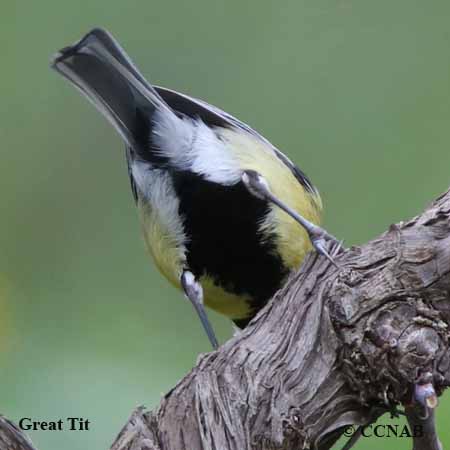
220	206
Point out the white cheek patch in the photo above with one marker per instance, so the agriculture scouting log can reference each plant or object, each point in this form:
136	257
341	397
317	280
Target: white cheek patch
157	188
192	145
212	158
173	138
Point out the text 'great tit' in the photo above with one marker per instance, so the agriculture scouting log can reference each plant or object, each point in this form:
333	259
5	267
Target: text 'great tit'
220	206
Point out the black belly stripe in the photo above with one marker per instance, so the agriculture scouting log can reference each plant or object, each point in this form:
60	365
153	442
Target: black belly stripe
221	223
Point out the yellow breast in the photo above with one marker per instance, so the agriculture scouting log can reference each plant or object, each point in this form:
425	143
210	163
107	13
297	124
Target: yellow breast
170	261
165	248
231	305
292	241
165	241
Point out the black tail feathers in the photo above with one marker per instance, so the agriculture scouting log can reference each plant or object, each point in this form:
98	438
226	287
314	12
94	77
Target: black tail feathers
103	72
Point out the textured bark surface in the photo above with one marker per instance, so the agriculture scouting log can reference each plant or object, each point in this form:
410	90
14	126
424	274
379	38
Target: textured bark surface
335	347
12	438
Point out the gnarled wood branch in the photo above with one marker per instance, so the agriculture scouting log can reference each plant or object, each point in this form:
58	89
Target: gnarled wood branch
12	438
336	347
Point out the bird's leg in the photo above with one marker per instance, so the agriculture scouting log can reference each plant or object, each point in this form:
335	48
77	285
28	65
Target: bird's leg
258	186
194	292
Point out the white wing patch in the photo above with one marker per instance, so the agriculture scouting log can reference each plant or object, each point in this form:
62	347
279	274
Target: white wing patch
192	145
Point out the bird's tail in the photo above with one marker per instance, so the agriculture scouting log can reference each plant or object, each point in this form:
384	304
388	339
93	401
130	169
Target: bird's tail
104	73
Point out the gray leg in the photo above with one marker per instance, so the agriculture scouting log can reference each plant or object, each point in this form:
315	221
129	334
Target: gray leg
259	187
194	293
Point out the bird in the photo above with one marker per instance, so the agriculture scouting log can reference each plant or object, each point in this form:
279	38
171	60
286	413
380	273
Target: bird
225	215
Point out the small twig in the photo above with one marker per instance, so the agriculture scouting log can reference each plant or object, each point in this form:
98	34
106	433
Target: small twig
423	429
425	394
354	439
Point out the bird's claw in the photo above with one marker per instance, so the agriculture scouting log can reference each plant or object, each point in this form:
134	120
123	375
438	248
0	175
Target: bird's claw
322	240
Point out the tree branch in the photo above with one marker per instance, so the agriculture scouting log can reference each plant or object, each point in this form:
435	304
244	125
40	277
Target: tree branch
335	347
12	438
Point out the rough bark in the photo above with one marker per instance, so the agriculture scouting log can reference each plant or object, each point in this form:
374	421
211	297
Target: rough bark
335	347
12	438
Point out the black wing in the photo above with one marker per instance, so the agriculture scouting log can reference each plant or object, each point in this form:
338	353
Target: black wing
128	155
212	115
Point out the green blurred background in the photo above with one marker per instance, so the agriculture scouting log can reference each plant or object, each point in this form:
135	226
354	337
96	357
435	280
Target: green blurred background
356	92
